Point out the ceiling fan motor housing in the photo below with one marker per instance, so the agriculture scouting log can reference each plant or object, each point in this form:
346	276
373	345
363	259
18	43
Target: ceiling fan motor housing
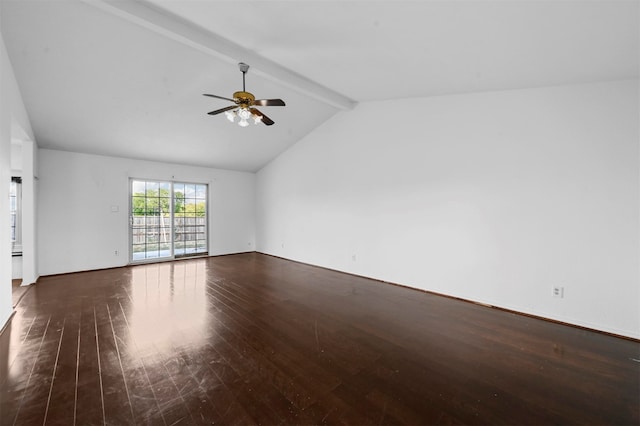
244	99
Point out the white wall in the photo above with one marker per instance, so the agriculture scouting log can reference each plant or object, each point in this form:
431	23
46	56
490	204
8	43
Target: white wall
16	157
13	120
78	231
491	197
16	267
6	307
29	270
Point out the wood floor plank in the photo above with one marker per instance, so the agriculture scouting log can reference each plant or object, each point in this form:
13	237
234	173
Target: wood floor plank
21	364
14	341
35	397
254	339
89	404
143	402
61	401
115	392
261	338
193	381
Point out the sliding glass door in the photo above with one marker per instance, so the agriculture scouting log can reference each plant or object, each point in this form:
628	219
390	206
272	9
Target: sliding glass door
190	219
168	220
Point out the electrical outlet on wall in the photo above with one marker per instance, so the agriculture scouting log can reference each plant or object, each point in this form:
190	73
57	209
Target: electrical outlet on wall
558	291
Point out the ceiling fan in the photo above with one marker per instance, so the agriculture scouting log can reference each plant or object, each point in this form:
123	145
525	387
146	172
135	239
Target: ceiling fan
244	103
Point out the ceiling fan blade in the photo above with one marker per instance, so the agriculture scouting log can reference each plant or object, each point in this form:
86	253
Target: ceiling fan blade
269	102
218	111
266	120
219	97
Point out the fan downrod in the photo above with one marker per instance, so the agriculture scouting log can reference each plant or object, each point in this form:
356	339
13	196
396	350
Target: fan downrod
244	68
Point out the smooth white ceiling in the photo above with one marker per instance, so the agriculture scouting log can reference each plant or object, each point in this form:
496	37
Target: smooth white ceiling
125	78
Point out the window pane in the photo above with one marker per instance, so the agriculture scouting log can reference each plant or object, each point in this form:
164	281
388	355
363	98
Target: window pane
138	235
15	213
138	248
189	207
189	190
138	251
138	206
149	211
153	247
165	205
138	187
201	191
13	227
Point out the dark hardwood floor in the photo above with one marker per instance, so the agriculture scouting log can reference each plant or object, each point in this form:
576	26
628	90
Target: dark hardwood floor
253	339
17	290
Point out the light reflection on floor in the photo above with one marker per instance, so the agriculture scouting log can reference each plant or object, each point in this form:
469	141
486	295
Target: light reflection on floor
169	306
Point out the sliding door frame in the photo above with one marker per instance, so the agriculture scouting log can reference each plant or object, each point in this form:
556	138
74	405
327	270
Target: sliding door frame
172	227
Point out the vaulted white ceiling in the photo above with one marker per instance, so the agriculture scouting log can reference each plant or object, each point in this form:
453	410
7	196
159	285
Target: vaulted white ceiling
126	78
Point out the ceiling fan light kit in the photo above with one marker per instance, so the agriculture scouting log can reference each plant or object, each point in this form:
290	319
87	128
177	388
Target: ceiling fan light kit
244	103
